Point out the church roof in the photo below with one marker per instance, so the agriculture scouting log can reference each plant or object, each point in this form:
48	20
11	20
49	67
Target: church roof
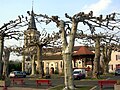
32	24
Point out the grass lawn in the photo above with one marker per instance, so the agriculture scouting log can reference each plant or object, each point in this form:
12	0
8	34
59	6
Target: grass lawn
60	87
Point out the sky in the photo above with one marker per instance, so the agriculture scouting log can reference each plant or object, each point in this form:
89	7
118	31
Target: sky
10	9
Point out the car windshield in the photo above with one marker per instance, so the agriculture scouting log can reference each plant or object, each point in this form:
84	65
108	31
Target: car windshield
16	72
76	72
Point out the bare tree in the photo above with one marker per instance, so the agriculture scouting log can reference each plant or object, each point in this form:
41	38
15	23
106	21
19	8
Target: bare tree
6	57
107	49
69	29
9	30
67	45
109	23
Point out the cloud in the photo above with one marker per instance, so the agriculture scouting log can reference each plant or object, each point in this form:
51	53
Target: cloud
97	7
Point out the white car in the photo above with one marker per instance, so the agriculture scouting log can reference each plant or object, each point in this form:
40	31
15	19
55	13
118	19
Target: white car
79	73
17	74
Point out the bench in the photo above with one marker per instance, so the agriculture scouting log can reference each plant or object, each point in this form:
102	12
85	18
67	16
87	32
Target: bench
102	83
17	81
39	82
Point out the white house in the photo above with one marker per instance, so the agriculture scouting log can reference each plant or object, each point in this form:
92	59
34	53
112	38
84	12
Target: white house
115	61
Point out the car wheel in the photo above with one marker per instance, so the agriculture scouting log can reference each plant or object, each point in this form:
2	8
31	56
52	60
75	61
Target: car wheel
78	78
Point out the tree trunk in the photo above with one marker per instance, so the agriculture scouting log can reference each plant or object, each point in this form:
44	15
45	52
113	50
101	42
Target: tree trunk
6	61
102	59
67	50
1	53
39	61
33	65
105	58
108	52
68	71
106	68
5	68
96	59
109	58
23	63
65	72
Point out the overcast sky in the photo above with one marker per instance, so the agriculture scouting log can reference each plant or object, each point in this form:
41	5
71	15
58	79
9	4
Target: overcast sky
10	9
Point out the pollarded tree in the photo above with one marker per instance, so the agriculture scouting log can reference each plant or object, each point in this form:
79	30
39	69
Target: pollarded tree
67	45
106	54
35	41
110	32
107	49
10	30
69	29
6	56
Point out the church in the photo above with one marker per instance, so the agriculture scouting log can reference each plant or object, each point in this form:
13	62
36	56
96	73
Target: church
52	62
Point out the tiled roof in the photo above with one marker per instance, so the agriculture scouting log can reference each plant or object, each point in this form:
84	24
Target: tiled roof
80	50
83	50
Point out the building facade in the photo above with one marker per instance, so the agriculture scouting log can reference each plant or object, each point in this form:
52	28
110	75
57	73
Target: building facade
115	61
52	63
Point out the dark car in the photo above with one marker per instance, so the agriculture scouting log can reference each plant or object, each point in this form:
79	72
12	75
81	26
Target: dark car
17	74
117	72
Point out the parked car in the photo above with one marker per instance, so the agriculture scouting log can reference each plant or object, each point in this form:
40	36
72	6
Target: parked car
117	72
17	74
79	73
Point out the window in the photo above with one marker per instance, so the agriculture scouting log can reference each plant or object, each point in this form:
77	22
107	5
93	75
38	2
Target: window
56	64
61	64
51	64
111	67
117	57
47	64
